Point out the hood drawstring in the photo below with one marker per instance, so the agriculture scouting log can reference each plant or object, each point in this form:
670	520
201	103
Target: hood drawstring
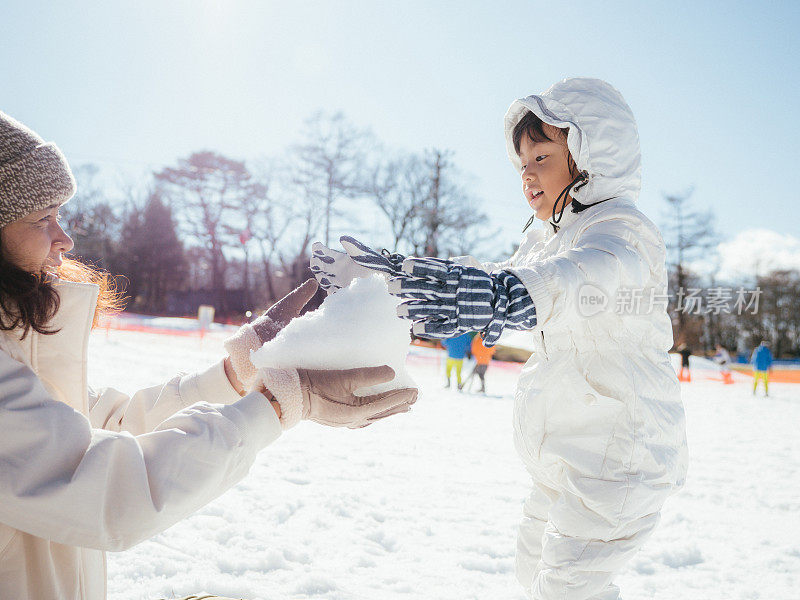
529	223
579	181
578	207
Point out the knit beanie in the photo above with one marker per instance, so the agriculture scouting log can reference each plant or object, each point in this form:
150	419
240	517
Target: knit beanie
33	173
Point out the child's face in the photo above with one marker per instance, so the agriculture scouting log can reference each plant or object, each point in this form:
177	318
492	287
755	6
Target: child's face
545	171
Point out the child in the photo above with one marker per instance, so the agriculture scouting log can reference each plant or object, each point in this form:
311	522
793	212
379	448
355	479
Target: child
456	351
723	359
762	363
483	356
598	418
685	373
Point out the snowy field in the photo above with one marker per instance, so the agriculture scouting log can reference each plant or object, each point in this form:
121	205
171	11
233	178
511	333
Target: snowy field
425	505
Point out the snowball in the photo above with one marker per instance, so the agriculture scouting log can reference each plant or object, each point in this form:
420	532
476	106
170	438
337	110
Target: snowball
357	326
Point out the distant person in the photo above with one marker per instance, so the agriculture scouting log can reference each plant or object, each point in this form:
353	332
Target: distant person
84	472
762	364
457	348
482	356
723	359
685	374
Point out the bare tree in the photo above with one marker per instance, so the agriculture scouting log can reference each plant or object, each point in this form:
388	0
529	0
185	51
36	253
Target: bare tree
283	220
90	219
778	317
266	222
205	189
448	221
399	188
689	234
327	165
253	209
294	226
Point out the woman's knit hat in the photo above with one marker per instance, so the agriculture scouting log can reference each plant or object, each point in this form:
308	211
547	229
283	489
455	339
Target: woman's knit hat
33	173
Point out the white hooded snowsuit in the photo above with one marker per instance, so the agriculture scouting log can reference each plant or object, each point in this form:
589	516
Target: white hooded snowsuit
598	418
81	473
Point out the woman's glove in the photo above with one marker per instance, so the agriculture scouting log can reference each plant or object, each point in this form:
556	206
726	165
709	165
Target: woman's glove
252	336
327	397
335	270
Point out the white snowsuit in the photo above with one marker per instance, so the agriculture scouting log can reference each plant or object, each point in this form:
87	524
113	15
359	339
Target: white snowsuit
81	473
598	418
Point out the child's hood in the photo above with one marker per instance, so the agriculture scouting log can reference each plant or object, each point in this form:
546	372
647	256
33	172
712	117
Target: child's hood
603	137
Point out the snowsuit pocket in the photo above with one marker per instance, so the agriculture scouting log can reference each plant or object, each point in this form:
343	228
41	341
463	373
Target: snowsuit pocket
582	417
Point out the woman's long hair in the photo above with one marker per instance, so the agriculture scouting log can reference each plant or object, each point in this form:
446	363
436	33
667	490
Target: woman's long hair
30	300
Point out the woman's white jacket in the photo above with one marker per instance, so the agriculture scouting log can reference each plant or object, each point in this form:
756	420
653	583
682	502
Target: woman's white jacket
84	472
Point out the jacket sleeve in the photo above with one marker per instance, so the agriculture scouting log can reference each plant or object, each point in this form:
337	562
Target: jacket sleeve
62	480
607	256
530	239
111	409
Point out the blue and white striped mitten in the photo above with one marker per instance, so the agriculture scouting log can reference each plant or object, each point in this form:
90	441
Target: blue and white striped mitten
445	299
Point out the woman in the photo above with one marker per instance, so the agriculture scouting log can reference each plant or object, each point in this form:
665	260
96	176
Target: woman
81	472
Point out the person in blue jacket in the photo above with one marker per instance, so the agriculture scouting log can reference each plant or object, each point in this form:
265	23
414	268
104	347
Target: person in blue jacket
456	351
762	364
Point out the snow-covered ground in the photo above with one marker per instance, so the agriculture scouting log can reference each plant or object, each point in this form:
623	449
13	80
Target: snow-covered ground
425	505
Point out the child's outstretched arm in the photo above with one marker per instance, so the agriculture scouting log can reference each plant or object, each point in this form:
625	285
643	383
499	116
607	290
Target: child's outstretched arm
611	255
445	298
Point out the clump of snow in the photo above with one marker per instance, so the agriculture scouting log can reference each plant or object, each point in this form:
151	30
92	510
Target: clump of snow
355	327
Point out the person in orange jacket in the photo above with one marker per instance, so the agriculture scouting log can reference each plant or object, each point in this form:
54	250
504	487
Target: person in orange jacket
483	356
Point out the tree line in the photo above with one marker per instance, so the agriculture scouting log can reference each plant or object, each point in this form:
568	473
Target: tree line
706	310
237	234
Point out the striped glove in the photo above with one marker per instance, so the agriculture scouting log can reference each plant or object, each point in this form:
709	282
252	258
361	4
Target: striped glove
445	299
384	262
335	270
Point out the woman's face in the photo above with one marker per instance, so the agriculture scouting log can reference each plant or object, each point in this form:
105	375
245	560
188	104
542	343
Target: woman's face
36	241
545	171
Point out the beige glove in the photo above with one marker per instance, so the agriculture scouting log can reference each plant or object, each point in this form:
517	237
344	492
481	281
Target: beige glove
251	336
327	397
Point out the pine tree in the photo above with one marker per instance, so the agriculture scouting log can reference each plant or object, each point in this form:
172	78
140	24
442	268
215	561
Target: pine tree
152	256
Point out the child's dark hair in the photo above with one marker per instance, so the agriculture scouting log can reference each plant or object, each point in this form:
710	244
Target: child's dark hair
533	127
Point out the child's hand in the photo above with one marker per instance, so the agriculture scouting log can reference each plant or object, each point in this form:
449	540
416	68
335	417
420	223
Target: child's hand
382	262
335	270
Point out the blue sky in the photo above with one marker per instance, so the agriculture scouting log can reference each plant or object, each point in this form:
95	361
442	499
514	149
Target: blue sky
714	85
